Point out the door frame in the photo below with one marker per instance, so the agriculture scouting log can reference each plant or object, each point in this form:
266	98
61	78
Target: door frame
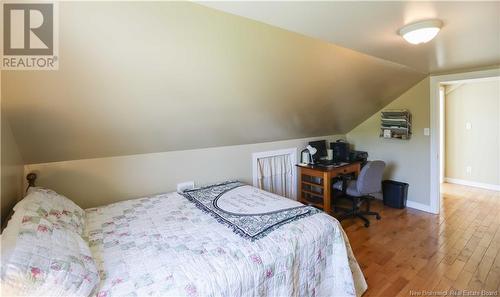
435	112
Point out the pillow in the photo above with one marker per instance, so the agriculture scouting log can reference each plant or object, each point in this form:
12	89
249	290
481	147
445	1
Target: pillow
57	209
40	259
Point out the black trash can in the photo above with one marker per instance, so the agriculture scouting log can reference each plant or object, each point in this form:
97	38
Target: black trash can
395	193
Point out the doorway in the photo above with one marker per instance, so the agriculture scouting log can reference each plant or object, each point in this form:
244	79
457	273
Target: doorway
470	133
438	88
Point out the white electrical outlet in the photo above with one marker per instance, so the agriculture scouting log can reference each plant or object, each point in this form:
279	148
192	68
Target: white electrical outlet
468	126
181	187
468	170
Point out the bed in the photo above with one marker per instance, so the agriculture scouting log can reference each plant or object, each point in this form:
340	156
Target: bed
181	245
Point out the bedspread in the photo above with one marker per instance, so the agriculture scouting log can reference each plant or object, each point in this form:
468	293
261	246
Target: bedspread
165	246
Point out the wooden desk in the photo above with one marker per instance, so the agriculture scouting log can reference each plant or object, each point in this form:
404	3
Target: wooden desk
315	182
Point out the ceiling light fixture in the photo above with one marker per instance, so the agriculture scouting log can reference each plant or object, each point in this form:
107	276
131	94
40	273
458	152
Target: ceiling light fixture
421	32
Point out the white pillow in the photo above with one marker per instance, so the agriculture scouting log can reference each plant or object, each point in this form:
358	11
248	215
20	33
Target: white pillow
56	208
39	258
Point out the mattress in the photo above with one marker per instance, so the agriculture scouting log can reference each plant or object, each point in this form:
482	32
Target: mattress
164	245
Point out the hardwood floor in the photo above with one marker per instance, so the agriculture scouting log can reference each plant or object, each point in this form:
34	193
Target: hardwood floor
409	252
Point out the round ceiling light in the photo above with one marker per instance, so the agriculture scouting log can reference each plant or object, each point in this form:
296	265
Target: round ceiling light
421	32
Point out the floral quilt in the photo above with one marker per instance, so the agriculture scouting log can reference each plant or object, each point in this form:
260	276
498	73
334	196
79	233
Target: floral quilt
43	253
165	246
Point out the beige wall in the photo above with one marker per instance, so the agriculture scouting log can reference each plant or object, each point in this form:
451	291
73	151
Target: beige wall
147	76
11	169
94	182
477	103
407	160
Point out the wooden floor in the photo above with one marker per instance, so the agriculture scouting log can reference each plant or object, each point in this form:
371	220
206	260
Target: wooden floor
409	252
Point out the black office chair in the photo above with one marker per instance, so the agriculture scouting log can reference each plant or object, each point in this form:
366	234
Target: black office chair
358	191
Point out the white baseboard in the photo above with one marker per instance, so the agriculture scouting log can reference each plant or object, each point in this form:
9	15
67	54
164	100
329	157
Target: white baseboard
418	206
472	184
414	205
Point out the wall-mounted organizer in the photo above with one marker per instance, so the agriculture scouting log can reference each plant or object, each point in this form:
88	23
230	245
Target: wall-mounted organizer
395	123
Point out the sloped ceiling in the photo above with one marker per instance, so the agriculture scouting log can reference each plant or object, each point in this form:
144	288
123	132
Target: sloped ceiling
160	76
469	38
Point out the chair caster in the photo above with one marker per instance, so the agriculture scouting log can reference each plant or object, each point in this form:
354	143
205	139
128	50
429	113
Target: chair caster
367	225
378	217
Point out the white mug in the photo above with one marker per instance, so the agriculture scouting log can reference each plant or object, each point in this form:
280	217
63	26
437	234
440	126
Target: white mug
329	154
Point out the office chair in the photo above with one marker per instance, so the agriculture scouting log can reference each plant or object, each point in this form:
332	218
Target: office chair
358	191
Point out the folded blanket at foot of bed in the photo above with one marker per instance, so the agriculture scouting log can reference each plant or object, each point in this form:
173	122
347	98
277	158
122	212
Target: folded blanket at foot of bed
250	212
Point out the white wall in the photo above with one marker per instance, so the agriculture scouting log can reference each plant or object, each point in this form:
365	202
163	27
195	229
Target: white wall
93	182
407	160
11	169
477	103
181	76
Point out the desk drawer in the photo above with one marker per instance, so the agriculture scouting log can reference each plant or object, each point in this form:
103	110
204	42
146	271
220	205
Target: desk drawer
311	172
346	169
